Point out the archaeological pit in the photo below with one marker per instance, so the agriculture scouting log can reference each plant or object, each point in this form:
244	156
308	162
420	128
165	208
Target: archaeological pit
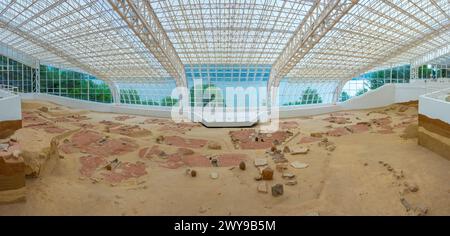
206	108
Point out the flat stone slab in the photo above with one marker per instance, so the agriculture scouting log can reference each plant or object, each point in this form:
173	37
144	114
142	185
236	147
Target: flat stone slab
260	162
301	150
299	165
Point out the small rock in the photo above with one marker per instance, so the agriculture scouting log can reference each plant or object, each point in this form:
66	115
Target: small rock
260	162
214	175
214	162
16	153
301	150
278	157
108	167
291	182
412	187
4	146
365	164
214	146
331	148
273	149
288	175
190	172
281	167
299	165
420	211
316	135
242	165
202	210
267	173
43	109
398	174
277	190
405	204
258	178
262	187
160	139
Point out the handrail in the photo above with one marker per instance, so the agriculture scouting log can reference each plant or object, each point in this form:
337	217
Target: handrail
9	88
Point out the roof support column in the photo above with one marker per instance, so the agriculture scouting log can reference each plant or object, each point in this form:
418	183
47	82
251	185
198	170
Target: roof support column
114	92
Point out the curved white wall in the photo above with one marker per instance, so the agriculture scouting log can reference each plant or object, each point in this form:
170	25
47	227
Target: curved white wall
383	96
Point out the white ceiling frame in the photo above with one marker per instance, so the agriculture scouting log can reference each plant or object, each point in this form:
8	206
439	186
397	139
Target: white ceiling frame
430	56
321	18
142	20
402	49
56	51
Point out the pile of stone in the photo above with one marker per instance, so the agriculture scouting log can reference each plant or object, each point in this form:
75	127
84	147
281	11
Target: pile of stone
328	145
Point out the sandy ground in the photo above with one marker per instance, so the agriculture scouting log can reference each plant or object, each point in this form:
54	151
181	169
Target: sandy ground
351	180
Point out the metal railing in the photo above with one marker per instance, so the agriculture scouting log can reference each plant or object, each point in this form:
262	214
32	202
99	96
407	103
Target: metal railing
9	88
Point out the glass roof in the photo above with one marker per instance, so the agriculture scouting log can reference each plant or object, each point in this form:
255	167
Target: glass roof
91	36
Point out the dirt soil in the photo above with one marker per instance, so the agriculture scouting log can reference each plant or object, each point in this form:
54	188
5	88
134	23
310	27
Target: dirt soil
358	164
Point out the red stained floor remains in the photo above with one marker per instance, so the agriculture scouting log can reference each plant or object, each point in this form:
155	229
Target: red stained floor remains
246	138
94	143
184	142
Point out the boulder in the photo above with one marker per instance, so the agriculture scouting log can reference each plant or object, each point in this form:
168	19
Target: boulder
277	190
242	165
267	173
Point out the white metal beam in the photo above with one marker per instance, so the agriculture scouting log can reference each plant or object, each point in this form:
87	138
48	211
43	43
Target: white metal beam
142	20
321	18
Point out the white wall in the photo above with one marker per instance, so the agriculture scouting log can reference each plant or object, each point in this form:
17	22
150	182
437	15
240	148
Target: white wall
380	97
308	110
383	96
434	106
10	106
412	91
